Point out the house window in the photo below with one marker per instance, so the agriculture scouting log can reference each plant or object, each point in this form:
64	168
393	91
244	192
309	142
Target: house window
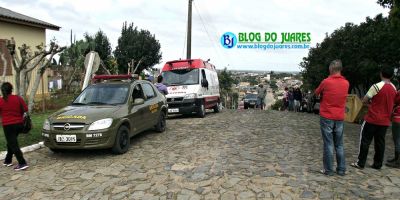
6	58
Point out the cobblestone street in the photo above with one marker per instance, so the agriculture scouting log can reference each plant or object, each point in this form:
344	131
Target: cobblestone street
248	154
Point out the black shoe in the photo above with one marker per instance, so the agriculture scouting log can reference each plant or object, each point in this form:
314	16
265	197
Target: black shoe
375	167
395	164
396	157
391	160
341	173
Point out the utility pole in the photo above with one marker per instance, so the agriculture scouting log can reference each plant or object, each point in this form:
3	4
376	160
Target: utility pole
189	32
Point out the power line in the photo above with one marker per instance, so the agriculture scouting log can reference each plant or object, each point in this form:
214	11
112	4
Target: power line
215	31
208	34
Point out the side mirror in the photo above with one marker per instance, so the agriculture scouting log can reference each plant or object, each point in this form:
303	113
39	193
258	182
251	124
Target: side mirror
204	83
138	101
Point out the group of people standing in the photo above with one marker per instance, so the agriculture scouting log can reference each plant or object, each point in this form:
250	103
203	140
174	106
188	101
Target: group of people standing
292	99
381	99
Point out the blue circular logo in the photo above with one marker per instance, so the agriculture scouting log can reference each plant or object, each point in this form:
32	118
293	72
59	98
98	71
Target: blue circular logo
228	40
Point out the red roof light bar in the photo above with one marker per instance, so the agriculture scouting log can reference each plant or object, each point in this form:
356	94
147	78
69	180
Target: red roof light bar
112	77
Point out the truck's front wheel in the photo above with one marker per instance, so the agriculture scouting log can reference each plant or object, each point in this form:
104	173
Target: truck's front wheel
122	141
202	110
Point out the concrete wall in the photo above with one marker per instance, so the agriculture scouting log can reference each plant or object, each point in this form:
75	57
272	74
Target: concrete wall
32	36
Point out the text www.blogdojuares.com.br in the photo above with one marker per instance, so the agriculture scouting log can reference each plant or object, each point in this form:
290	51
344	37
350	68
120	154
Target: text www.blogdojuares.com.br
273	46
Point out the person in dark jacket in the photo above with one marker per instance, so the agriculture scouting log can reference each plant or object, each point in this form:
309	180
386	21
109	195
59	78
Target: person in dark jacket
12	108
298	96
291	99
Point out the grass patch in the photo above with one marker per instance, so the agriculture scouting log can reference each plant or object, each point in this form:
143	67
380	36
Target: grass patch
56	102
33	137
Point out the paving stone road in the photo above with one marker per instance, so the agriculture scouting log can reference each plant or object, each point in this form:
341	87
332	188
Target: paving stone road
246	154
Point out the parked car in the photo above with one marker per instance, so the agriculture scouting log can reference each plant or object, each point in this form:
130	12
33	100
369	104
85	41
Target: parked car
106	115
250	101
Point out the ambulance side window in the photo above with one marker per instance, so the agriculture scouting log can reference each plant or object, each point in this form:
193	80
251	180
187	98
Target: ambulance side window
204	82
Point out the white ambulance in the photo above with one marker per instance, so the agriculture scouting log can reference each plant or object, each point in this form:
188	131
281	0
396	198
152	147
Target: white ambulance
192	86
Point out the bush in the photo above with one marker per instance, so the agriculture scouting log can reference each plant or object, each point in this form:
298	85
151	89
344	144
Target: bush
278	105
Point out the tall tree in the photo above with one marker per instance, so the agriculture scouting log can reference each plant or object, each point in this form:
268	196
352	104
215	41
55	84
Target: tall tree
394	13
225	84
52	50
363	49
138	49
99	43
27	61
71	64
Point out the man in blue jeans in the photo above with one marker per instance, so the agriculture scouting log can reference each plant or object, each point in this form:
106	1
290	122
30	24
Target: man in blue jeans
333	92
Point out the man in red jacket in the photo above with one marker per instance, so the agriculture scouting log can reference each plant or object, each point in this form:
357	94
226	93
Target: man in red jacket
380	98
332	107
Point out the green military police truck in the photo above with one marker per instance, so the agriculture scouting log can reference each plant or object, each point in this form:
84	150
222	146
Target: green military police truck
106	115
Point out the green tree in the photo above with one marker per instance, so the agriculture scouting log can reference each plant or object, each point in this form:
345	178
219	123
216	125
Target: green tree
71	64
225	80
99	43
137	48
225	84
273	85
363	49
394	13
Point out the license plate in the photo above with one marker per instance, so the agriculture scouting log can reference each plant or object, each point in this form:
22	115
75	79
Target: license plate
66	138
252	103
173	110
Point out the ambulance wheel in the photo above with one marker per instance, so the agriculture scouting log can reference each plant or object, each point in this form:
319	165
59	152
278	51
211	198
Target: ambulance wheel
122	141
217	108
202	111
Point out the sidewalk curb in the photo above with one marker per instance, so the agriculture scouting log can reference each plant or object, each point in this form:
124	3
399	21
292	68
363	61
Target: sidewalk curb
26	149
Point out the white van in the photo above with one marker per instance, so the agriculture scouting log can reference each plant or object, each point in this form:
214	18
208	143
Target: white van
192	86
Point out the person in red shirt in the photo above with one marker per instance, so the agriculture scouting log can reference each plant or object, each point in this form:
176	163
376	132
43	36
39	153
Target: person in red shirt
380	98
395	162
12	118
334	91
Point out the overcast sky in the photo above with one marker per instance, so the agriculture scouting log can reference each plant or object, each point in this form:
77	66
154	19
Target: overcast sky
211	18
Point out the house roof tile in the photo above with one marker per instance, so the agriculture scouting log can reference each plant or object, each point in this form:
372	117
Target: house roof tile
14	17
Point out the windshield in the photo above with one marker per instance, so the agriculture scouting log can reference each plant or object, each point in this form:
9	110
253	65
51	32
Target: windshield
251	96
181	77
102	94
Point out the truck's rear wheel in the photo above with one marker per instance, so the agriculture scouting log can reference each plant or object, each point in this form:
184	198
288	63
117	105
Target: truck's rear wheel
122	141
217	108
202	110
